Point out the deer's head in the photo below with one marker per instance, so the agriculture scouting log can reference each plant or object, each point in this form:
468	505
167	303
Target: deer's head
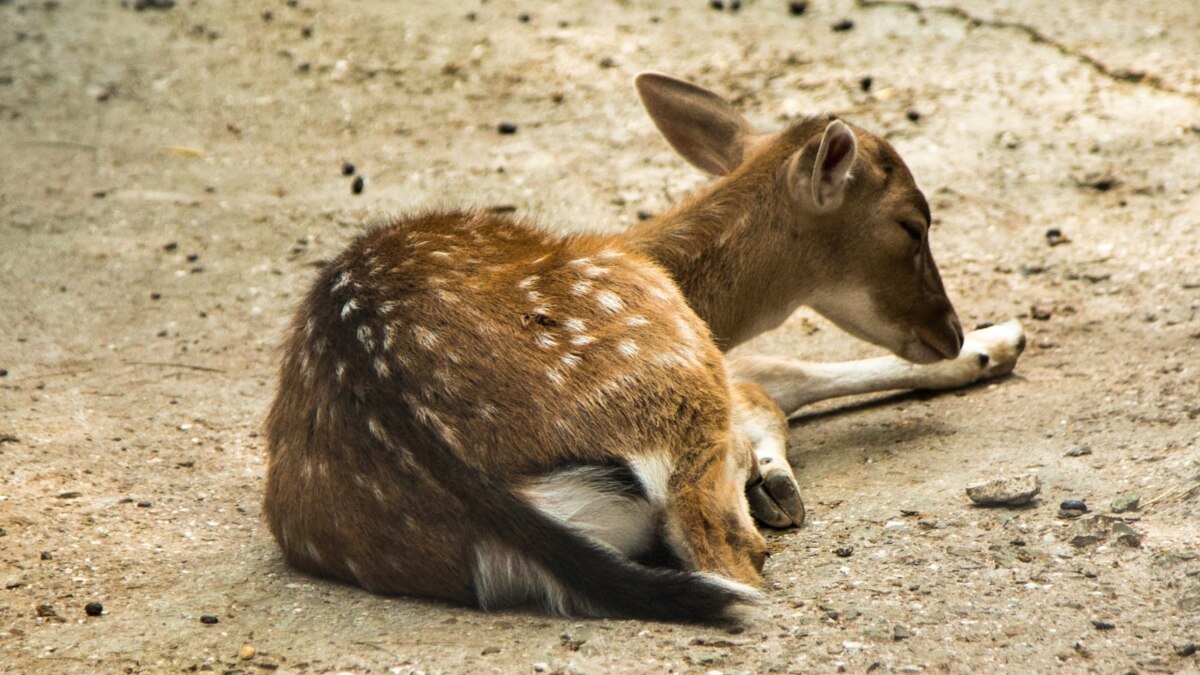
856	225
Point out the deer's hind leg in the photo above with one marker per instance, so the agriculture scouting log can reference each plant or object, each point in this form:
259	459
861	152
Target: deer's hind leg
708	518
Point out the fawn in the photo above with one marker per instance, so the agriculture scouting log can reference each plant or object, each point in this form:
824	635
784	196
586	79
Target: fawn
474	409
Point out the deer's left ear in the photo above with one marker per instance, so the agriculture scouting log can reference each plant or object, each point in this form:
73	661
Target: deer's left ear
823	182
702	127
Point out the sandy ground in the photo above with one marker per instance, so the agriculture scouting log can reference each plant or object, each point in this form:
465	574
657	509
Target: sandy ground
170	179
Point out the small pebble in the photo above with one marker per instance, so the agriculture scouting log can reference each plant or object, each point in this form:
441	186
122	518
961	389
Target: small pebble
717	4
844	551
644	215
1054	237
156	296
1073	505
1186	649
1127	502
357	185
1079	451
1103	625
3	372
735	5
900	632
47	556
797	7
865	83
347	169
1038	314
145	505
208	619
506	128
170	246
46	611
524	17
306	32
842	26
540	667
193	257
1070	513
247	652
93	609
913	115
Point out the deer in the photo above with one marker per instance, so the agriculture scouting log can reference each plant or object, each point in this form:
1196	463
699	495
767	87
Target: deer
477	409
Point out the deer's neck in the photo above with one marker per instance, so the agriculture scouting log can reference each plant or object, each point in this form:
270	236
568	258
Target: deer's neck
731	254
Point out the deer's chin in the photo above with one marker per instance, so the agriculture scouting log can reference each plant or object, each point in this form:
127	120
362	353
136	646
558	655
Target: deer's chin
919	351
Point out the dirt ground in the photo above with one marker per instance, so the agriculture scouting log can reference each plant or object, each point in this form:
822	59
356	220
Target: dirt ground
170	179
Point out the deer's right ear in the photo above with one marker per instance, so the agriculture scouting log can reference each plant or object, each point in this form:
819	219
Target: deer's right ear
702	127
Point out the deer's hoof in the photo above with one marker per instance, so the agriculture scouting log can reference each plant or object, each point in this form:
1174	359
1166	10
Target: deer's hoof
775	501
995	349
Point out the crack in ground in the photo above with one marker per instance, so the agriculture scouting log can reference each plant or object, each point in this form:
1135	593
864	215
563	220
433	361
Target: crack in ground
1038	37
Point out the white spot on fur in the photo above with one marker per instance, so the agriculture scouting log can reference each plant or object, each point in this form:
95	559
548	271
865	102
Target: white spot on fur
340	371
574	325
528	281
555	376
637	320
686	333
610	301
378	431
425	337
439	254
534	297
350	565
582	340
349	308
661	293
579	262
570	360
581	287
342	281
377	491
487	411
609	254
431	419
546	341
628	347
367	337
593	271
381	368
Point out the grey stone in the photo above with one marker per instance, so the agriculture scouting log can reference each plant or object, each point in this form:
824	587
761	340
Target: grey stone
1126	502
1013	491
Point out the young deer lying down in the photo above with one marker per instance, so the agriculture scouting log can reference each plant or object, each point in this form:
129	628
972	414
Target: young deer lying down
472	408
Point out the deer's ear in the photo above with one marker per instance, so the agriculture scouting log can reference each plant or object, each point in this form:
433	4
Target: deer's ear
702	127
821	180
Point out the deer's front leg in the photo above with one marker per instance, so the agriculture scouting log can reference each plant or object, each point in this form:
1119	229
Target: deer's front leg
773	492
791	383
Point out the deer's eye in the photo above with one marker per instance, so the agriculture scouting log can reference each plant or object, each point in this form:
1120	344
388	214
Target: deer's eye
913	230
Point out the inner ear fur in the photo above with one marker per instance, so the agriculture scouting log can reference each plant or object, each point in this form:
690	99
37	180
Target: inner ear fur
819	178
701	126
